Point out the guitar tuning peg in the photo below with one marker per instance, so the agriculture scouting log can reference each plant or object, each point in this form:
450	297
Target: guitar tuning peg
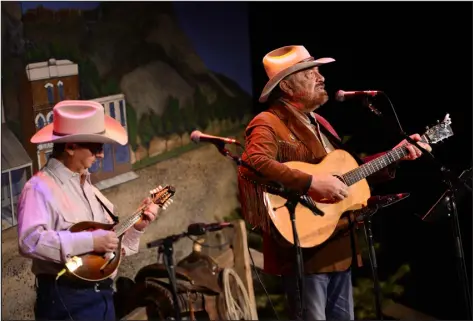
426	127
438	121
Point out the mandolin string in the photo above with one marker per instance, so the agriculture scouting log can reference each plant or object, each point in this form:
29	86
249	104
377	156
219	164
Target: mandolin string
123	227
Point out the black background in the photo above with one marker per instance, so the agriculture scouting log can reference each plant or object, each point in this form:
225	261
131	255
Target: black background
420	55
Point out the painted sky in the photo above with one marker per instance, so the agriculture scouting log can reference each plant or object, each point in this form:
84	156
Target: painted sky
218	31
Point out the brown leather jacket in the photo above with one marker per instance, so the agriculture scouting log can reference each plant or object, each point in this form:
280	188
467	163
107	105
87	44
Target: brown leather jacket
273	137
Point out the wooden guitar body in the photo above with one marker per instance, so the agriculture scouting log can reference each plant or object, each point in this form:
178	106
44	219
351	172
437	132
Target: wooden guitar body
92	262
313	229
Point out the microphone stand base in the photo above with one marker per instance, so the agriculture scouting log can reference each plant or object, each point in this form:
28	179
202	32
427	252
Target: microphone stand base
374	265
168	250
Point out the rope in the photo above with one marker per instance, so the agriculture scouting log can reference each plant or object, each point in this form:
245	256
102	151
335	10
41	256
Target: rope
234	311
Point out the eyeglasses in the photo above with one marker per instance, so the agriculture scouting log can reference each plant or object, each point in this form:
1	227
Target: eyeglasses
95	148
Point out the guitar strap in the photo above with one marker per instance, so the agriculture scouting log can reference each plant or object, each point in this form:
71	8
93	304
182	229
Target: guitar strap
334	140
114	217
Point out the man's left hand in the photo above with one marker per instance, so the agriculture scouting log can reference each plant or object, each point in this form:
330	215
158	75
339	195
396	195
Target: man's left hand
414	152
150	213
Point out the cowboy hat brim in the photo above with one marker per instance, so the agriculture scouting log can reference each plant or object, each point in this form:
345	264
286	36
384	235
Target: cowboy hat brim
114	133
273	82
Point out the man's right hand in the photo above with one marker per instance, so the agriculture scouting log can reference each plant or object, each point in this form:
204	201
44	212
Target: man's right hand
104	241
327	188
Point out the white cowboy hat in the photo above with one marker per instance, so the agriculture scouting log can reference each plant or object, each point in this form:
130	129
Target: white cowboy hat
284	61
81	121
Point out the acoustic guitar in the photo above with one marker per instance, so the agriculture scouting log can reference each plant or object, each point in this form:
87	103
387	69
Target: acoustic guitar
313	229
94	266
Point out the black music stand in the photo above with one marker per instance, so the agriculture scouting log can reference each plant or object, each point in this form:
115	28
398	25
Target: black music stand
447	205
441	209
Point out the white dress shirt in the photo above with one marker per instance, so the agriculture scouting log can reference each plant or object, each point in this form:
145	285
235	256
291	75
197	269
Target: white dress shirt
51	202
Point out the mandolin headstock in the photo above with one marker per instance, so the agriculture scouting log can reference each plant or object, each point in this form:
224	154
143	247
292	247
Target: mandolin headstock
162	195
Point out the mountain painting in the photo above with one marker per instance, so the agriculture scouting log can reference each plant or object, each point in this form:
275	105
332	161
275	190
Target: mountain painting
161	68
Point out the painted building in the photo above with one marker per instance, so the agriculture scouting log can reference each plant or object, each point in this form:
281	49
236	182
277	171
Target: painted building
116	159
46	84
17	168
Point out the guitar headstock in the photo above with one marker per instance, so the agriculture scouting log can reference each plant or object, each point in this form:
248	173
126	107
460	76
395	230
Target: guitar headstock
162	195
440	131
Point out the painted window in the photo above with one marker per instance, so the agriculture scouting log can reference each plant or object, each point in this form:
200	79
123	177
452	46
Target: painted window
122	154
112	110
95	166
107	160
40	121
60	88
50	88
122	113
50	117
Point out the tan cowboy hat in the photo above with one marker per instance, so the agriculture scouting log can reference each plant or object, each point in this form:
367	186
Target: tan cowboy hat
81	121
284	61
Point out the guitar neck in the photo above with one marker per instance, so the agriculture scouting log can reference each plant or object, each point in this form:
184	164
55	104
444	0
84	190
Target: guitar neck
377	164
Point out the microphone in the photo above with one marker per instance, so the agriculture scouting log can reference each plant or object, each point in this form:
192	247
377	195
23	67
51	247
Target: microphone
197	137
386	200
197	229
342	95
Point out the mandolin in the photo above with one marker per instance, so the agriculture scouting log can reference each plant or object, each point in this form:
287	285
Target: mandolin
314	230
94	266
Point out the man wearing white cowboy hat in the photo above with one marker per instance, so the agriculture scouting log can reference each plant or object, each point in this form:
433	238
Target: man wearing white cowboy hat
61	194
289	130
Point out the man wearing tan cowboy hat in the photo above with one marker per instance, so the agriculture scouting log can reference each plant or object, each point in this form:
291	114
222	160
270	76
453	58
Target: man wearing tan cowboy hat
289	130
61	194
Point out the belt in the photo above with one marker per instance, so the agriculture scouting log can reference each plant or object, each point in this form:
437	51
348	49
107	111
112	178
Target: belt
74	283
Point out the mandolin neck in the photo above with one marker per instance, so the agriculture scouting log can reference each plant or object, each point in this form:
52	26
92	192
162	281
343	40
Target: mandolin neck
377	164
123	226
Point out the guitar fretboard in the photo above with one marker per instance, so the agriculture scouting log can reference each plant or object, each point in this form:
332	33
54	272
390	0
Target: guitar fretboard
376	164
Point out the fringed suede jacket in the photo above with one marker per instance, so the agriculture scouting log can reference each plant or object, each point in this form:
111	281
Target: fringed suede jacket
275	136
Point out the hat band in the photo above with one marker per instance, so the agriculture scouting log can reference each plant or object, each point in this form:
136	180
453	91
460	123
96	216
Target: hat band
55	133
307	59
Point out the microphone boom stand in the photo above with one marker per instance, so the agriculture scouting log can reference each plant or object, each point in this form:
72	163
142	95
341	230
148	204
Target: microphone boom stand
292	200
453	184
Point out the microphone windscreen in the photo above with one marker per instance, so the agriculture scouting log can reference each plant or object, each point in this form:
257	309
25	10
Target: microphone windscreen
195	136
340	95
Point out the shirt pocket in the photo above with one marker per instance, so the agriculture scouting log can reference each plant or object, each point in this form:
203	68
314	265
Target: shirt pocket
71	213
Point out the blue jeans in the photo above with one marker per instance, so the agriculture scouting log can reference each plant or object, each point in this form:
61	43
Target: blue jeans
61	301
328	296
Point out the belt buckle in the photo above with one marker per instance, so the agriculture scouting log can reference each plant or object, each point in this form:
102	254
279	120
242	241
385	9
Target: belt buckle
96	287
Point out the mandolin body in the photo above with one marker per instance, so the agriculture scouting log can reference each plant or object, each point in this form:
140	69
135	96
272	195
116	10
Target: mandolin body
92	263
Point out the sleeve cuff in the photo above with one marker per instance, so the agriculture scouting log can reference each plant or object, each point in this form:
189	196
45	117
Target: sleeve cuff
75	243
82	242
131	241
307	187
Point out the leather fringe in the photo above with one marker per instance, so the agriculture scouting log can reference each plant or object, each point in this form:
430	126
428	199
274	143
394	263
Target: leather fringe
253	209
251	193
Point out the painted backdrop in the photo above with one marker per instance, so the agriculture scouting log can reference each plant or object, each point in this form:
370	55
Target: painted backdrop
162	69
